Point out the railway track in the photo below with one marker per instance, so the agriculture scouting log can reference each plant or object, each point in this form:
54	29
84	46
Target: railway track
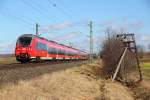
29	65
13	73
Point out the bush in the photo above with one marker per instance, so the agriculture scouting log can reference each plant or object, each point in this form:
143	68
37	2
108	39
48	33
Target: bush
112	50
111	53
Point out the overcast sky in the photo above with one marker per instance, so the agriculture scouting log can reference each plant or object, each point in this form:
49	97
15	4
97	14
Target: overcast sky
67	20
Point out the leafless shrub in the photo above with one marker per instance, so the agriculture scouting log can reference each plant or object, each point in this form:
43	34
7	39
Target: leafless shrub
111	52
129	71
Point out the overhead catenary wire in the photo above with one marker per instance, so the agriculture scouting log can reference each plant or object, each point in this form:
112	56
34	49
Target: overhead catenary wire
16	18
41	8
37	9
18	21
64	6
60	9
11	11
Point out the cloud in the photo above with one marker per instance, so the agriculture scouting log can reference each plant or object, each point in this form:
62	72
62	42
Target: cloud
82	23
146	38
56	27
69	35
107	23
123	26
62	26
143	40
137	25
63	38
128	25
82	45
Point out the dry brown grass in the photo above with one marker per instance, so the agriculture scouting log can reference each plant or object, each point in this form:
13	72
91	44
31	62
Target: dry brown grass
57	86
7	60
63	85
77	83
116	91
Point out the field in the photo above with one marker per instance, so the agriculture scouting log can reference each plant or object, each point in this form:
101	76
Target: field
7	60
146	69
68	82
76	83
145	64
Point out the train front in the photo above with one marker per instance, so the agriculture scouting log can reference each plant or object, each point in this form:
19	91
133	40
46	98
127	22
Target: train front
23	48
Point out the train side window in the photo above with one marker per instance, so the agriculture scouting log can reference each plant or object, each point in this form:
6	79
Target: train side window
38	47
44	47
52	51
66	52
73	53
49	50
62	52
41	46
58	51
70	53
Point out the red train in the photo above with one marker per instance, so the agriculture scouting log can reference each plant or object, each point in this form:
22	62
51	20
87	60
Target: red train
30	47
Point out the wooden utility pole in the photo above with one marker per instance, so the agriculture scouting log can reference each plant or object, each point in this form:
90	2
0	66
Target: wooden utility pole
37	29
91	42
119	64
137	58
129	41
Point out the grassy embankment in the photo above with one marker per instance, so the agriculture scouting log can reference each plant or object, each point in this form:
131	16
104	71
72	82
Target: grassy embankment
146	69
145	65
7	60
77	83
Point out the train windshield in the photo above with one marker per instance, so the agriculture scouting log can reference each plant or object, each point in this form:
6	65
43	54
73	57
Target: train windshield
25	41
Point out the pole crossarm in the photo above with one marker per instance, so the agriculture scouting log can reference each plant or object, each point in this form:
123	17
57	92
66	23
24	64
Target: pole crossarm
129	41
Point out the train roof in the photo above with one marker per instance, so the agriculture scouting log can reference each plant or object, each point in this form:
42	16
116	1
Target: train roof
35	36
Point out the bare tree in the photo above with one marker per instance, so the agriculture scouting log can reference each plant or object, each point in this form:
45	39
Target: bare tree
111	51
